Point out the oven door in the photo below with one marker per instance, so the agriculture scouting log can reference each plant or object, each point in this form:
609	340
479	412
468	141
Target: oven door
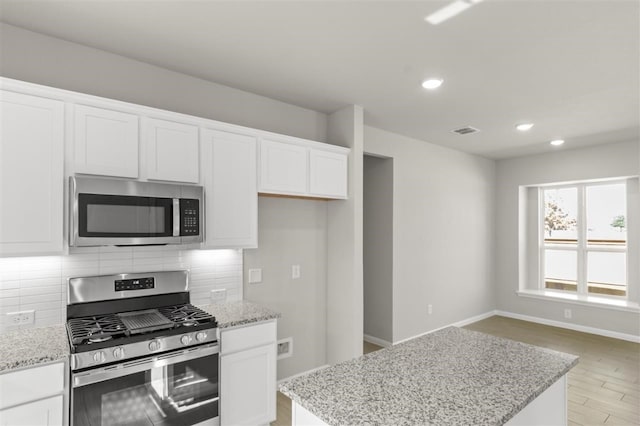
179	388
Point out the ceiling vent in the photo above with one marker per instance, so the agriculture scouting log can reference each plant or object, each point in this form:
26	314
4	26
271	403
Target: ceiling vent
466	130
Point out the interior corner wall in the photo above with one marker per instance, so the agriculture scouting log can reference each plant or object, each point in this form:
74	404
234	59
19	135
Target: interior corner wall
598	162
40	59
293	232
378	248
443	230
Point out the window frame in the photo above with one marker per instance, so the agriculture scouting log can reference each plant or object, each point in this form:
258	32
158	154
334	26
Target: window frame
581	248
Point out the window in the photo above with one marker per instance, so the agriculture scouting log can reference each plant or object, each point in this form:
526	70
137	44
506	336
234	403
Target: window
583	243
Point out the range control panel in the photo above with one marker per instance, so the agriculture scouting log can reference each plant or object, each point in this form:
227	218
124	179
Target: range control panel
189	217
135	284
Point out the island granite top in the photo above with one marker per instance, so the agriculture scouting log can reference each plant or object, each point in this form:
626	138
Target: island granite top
450	377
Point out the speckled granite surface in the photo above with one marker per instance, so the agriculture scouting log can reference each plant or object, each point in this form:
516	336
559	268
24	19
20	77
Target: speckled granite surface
449	377
33	346
239	313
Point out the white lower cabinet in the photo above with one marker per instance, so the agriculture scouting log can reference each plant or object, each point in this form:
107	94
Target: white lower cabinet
248	375
33	396
46	412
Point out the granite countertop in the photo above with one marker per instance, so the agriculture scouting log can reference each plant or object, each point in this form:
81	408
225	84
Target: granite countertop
449	377
234	314
33	346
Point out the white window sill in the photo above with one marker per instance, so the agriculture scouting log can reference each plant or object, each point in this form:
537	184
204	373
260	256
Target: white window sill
581	299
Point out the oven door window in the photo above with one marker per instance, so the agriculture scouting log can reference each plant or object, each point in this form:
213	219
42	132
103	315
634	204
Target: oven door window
181	394
124	216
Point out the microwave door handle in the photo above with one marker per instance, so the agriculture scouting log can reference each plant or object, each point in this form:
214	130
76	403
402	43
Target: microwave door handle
127	368
176	217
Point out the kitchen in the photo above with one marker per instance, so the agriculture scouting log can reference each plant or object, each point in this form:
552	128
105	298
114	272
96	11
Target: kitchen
322	310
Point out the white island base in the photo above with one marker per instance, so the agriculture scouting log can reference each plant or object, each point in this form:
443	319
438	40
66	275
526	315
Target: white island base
548	409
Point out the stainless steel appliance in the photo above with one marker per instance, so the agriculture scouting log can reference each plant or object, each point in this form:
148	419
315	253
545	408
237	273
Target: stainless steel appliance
124	212
141	354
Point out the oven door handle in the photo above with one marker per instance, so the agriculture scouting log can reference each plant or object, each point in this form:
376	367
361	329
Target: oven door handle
114	371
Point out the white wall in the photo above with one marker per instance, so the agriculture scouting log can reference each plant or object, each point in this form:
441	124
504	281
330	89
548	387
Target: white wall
605	161
443	230
293	232
378	248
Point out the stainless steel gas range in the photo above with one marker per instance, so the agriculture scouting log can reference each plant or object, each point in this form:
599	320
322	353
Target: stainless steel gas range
141	354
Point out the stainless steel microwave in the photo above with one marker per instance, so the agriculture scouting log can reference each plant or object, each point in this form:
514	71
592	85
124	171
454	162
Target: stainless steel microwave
106	212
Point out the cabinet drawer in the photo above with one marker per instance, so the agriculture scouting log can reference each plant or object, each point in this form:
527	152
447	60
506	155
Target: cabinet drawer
247	337
31	384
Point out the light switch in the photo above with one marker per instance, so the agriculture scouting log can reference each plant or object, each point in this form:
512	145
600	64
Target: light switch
255	276
295	271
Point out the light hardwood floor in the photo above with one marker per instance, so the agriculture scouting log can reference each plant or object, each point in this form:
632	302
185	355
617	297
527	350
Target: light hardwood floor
604	388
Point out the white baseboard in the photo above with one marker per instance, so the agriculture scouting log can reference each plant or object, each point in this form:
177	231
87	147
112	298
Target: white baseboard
576	327
376	341
455	324
303	373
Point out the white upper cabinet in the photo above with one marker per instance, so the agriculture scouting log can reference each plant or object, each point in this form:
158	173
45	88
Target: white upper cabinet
230	185
283	168
327	174
31	174
303	169
105	142
172	150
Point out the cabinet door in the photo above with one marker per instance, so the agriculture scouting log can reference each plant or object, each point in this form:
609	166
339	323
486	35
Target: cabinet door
172	151
283	168
46	412
231	195
31	174
327	174
105	142
248	387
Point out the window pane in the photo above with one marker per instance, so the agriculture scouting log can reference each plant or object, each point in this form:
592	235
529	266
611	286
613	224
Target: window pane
561	270
606	214
560	215
607	273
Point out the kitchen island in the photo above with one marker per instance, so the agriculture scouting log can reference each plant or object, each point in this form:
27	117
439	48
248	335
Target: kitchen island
450	377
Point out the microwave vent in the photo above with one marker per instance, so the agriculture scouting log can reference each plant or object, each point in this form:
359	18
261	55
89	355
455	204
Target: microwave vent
465	130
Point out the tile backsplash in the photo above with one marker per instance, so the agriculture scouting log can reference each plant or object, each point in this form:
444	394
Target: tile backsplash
40	283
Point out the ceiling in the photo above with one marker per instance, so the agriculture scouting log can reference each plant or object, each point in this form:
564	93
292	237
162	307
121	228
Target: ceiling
570	67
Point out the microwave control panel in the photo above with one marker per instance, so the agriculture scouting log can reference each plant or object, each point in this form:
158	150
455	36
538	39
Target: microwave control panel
189	217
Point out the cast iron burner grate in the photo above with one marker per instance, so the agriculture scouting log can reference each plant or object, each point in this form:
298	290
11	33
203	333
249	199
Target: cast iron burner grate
95	329
186	314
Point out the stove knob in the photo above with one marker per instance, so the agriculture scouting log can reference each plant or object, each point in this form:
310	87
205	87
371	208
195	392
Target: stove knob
154	345
99	357
118	353
200	336
185	340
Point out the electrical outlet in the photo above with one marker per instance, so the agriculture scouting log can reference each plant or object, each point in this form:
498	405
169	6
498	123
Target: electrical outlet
21	318
429	309
567	313
219	295
295	272
255	276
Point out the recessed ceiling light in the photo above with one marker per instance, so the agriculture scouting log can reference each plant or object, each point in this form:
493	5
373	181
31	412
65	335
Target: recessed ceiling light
523	127
556	142
432	83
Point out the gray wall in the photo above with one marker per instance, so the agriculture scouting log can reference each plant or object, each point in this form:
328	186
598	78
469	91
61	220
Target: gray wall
378	248
605	161
36	58
443	230
293	232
